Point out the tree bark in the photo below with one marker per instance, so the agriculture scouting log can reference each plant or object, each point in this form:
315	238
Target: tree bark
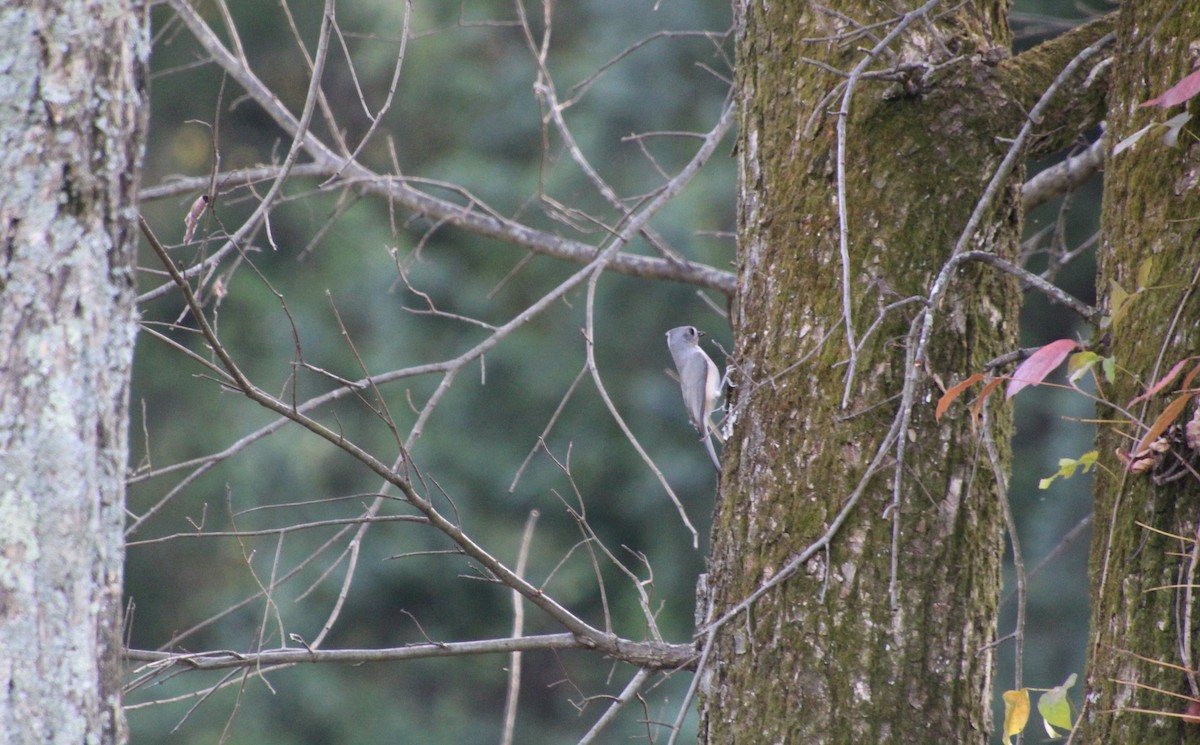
1143	582
72	122
885	636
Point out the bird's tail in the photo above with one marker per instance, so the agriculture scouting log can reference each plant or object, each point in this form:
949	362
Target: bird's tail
712	453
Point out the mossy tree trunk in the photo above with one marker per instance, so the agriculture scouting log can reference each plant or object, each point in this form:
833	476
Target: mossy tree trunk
1143	582
883	637
71	125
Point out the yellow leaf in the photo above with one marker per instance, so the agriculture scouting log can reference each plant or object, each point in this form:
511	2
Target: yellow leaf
1016	713
1068	466
1080	363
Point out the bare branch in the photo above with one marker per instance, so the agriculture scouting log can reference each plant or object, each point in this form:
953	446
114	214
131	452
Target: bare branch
1065	176
399	190
1051	292
652	655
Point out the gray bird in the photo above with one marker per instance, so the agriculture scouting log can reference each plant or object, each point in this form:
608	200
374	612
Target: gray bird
699	381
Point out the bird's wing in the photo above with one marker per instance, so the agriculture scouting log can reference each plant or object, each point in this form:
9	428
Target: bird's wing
695	373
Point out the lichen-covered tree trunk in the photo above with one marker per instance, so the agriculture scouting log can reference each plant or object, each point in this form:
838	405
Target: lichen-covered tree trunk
1144	582
885	636
71	127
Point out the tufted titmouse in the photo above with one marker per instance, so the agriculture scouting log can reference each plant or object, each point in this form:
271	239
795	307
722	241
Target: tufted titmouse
699	380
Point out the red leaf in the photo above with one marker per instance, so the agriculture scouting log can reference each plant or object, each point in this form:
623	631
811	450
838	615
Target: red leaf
1179	93
1193	713
955	391
1040	364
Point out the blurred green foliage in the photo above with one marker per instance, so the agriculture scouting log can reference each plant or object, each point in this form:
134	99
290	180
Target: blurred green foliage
466	114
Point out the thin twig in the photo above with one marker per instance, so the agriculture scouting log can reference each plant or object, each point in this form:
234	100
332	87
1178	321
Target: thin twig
631	689
541	440
843	115
1010	523
514	657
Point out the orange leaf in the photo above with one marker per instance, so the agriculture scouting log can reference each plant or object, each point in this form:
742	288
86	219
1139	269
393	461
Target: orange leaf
1187	379
1164	420
1040	364
977	407
955	391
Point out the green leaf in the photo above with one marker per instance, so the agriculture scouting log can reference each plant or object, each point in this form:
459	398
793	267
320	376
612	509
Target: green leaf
1174	126
1056	709
1087	460
1144	271
1131	140
1118	301
1110	369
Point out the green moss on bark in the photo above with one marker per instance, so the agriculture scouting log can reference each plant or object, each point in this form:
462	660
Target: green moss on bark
826	657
